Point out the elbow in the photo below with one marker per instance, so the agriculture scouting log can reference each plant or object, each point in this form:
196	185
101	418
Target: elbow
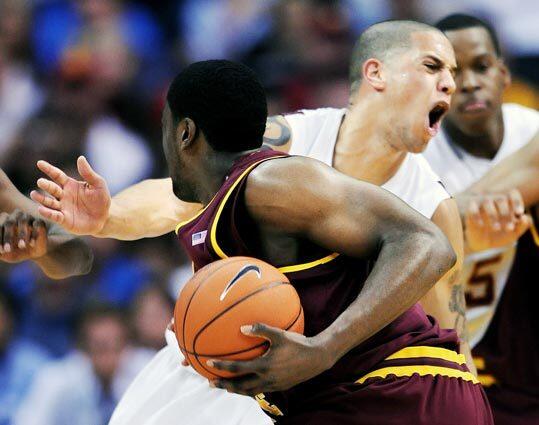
440	252
87	260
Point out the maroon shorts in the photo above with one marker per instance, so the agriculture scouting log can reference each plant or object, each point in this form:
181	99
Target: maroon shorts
404	389
429	400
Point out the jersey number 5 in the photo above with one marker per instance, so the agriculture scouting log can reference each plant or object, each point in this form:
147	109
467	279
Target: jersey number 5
480	287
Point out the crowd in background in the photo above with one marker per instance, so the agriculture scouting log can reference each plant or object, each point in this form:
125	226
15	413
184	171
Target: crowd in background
89	77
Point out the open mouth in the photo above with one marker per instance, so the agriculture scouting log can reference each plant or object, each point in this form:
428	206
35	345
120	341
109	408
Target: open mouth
436	113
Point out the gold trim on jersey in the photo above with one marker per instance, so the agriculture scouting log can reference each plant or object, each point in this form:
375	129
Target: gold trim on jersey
486	380
213	230
479	363
183	223
534	231
309	265
433	352
422	370
221	253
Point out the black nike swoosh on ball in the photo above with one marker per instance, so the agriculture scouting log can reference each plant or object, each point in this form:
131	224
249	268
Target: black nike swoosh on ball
244	270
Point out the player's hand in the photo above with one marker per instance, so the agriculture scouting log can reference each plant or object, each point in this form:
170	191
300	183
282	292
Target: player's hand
79	206
22	237
291	359
494	220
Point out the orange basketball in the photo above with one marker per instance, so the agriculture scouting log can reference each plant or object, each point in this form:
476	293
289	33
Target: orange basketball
225	295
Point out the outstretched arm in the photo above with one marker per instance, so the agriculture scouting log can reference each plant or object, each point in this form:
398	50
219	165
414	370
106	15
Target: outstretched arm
519	170
146	209
26	237
353	218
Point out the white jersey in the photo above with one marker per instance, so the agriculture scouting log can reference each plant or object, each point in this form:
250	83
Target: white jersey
485	273
166	392
314	134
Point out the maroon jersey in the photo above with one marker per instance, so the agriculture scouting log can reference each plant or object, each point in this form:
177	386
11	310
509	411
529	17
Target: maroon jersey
508	354
327	283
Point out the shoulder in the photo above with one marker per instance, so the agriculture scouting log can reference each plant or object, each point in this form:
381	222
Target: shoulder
518	117
311	117
418	185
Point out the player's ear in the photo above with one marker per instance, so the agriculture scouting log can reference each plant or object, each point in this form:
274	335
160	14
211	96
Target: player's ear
506	74
186	132
373	74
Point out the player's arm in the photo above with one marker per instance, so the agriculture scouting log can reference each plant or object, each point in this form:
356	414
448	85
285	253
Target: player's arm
146	209
519	170
85	207
26	237
278	134
353	218
445	301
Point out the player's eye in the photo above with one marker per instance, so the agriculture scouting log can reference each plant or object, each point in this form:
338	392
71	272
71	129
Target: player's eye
431	67
482	67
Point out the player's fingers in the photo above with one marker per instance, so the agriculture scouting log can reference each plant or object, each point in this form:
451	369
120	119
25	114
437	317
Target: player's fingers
473	213
9	230
246	385
3	217
185	362
522	225
50	187
52	215
270	333
88	173
47	201
490	214
505	215
53	172
39	232
239	367
24	223
516	201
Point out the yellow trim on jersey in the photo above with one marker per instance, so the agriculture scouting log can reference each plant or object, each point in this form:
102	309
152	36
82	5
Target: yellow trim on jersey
309	265
421	370
183	223
213	230
433	352
535	233
479	363
220	252
486	380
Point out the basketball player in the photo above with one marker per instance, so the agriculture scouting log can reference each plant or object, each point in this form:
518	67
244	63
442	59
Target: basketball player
358	257
25	236
407	176
487	146
364	141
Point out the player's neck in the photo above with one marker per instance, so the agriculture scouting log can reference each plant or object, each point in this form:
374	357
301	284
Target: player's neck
214	170
482	142
363	149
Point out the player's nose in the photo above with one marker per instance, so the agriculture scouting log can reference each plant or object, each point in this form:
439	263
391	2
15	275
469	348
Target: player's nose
469	82
447	83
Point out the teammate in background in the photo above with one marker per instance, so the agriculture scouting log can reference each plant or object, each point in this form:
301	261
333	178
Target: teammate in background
487	146
25	236
395	63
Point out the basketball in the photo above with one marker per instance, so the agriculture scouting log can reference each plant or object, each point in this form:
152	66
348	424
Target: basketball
222	297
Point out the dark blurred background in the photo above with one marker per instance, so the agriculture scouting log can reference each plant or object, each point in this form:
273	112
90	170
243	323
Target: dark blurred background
89	77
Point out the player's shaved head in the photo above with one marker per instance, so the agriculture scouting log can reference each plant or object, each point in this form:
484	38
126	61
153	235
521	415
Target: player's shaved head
381	41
